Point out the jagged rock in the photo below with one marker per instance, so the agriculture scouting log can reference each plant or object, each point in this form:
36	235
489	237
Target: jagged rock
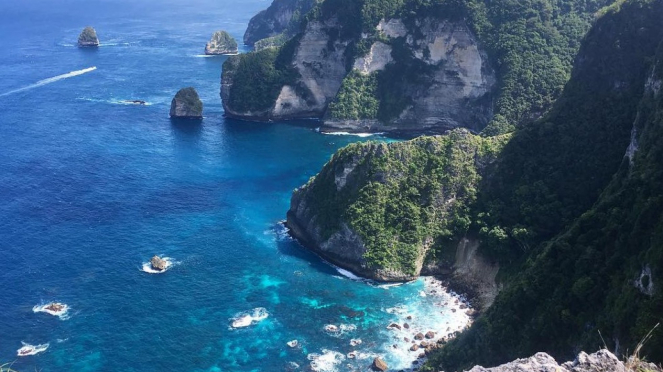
419	336
221	43
88	38
430	335
158	263
414	347
186	104
406	326
600	361
394	326
379	365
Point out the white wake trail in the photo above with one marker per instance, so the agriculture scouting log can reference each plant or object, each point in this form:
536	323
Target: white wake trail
50	80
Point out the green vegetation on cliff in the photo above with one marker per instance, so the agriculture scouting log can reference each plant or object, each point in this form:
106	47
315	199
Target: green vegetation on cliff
356	98
258	77
592	249
530	43
403	196
575	224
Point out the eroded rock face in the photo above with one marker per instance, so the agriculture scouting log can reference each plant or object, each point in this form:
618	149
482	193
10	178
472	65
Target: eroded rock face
88	38
186	105
457	94
600	361
221	43
379	365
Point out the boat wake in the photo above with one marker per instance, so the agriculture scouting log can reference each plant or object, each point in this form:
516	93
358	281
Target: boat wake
28	349
361	135
247	318
50	80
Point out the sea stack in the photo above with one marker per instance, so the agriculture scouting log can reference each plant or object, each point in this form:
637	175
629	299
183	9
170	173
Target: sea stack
186	105
221	43
88	38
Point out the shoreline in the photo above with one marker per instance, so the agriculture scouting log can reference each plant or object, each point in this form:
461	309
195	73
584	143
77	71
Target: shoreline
449	295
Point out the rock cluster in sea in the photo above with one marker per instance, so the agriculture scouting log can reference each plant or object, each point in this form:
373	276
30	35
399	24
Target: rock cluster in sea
221	43
186	105
88	38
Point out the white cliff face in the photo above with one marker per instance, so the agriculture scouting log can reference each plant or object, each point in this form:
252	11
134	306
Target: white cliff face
288	103
322	68
460	88
376	59
392	28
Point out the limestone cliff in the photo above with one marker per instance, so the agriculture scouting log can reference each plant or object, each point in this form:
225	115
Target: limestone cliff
276	19
412	66
365	213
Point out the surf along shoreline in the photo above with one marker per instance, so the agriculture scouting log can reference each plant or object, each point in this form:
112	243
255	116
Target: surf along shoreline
461	299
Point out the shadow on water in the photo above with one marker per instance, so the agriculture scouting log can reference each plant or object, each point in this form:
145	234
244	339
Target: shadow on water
237	125
187	128
291	247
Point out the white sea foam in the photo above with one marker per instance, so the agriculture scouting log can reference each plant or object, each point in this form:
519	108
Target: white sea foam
62	314
50	80
147	266
28	349
327	361
348	274
247	318
339	330
125	102
362	135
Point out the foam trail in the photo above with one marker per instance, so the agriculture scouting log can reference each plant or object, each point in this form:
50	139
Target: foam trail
50	80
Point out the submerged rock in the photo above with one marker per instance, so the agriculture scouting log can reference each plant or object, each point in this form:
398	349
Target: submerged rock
158	263
379	365
88	38
186	104
221	43
55	307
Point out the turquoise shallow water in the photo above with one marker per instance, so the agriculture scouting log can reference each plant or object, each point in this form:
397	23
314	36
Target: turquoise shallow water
91	188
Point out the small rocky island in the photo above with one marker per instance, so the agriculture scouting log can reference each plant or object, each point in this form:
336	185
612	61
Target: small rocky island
221	43
88	38
158	263
186	105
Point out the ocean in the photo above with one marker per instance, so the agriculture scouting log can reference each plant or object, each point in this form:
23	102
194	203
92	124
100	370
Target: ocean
91	188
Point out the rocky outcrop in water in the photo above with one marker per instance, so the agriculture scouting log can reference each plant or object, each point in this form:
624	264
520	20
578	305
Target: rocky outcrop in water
379	365
158	263
88	38
186	105
600	361
221	43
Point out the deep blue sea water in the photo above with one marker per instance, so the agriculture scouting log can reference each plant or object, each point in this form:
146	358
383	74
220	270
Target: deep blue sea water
91	188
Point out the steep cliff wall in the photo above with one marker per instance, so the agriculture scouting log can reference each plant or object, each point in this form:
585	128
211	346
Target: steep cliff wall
426	67
276	19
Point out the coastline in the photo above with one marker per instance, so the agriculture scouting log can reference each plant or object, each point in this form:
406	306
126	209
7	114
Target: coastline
411	338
